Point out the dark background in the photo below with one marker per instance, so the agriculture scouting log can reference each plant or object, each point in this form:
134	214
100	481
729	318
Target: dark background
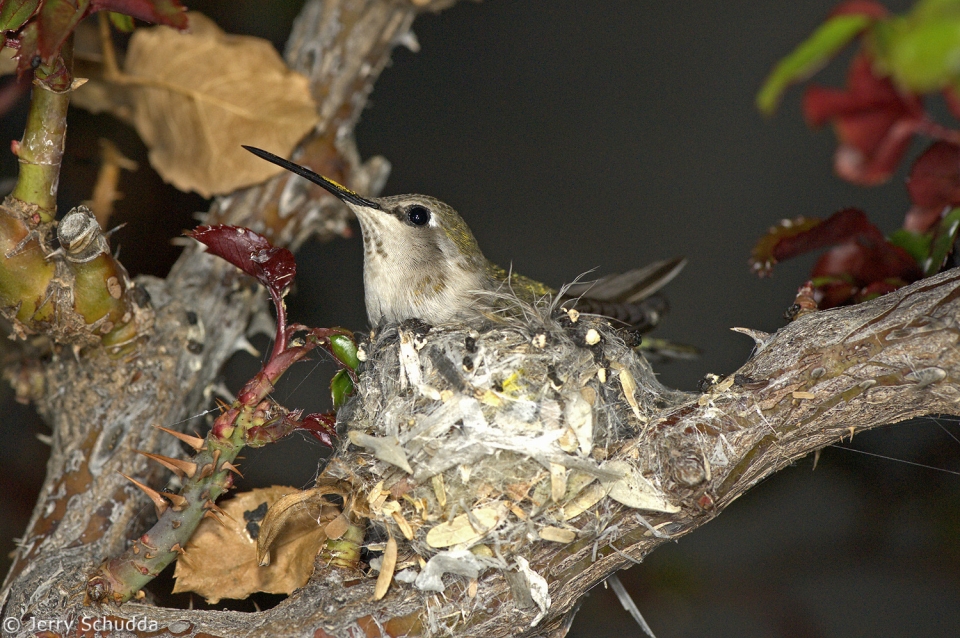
574	135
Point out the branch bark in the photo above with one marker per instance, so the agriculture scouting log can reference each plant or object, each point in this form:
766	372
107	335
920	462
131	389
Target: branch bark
827	375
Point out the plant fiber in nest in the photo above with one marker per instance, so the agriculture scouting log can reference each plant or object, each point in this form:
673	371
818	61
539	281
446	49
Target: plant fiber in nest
467	444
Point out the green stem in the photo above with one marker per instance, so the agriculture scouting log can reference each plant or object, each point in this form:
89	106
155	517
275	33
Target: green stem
344	552
120	578
41	149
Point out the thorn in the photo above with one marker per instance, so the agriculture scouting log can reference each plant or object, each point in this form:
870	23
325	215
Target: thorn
193	441
816	458
208	469
230	467
222	405
209	514
176	548
177	500
154	495
213	507
242	344
178	466
759	336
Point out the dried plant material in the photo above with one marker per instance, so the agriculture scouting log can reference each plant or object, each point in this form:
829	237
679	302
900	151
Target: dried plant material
558	482
386	449
387	568
194	98
461	530
410	371
337	527
455	561
539	591
511	450
292	516
105	191
578	413
629	386
220	561
438	490
586	499
557	535
633	490
405	528
377	497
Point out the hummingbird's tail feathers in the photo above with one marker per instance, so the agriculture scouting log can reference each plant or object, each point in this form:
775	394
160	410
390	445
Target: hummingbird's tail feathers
632	286
642	316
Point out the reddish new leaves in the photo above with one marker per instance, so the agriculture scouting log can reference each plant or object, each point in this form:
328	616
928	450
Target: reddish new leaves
934	185
862	264
38	28
875	119
275	268
874	122
252	253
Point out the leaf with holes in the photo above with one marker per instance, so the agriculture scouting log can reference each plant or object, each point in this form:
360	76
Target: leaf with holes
252	253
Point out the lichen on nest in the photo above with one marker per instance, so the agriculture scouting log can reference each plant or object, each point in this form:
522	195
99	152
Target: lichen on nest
471	443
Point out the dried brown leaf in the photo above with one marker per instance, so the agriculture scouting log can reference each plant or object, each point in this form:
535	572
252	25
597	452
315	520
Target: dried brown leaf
221	560
195	97
461	530
292	516
387	567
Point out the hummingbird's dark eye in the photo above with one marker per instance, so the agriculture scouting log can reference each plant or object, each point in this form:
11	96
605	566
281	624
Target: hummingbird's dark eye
418	215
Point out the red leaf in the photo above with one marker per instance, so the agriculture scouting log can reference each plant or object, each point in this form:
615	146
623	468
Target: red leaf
952	97
168	12
56	21
321	426
763	256
856	266
873	121
252	253
934	184
860	7
920	220
28	50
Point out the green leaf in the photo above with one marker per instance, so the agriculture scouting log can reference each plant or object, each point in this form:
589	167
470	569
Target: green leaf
341	387
942	244
917	244
121	22
809	57
919	54
13	13
345	350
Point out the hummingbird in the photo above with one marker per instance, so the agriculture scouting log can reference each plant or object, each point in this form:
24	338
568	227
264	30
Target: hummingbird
422	262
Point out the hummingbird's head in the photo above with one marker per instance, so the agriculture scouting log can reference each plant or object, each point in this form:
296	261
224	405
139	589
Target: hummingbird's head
419	253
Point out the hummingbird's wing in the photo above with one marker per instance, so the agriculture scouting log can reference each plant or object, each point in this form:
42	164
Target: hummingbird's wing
631	286
642	315
629	297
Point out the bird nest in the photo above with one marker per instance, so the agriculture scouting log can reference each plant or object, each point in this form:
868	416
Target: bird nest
471	443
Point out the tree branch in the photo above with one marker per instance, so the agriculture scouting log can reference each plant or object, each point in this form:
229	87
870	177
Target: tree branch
824	376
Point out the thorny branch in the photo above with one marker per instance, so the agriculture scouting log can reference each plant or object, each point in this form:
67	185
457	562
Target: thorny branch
823	377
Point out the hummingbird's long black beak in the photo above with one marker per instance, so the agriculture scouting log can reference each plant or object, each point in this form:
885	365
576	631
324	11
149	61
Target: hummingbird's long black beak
341	192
